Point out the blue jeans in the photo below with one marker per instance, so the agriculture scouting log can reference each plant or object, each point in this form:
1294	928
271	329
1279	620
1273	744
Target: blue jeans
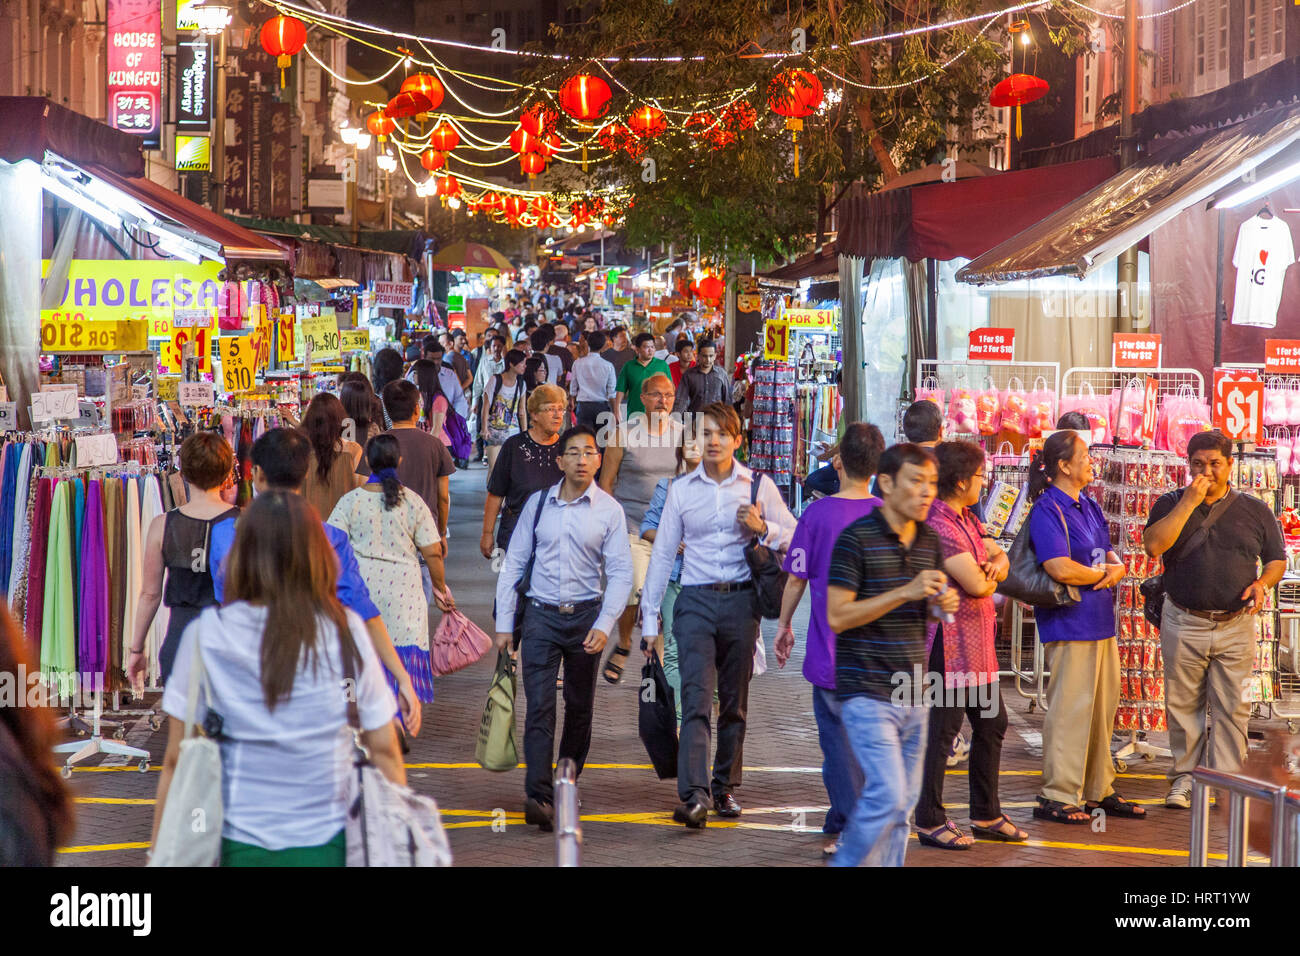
889	742
840	771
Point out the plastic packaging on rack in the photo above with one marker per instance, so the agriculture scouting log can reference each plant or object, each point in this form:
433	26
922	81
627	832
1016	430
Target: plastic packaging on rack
962	419
988	405
930	391
1093	407
1015	409
1041	412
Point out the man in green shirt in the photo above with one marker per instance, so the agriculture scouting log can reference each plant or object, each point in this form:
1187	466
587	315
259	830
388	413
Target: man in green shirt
637	371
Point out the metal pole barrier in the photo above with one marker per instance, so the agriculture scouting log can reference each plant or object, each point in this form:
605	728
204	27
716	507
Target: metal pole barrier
568	826
1238	821
1199	852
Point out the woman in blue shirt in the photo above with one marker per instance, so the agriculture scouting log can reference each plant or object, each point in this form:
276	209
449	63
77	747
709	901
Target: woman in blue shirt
1072	541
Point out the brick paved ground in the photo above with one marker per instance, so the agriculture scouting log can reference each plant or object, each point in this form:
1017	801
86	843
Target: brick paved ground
626	809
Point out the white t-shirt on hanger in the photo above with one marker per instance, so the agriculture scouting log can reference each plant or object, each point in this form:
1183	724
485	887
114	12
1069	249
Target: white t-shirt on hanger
1263	252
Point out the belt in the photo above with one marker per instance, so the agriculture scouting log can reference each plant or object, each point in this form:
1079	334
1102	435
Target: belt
1218	617
577	608
724	586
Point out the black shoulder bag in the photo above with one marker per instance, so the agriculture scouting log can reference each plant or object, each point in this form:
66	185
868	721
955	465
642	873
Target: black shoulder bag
765	568
1153	588
526	579
1027	581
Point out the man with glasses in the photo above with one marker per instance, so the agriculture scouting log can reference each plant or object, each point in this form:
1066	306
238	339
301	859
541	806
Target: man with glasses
580	534
632	375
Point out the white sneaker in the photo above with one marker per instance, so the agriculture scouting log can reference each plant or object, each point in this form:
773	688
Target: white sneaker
1180	794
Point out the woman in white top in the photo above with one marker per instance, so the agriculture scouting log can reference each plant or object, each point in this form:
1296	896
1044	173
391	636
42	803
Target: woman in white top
504	412
278	693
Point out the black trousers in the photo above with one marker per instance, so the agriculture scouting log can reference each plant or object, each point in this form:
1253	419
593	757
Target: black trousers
715	634
588	413
987	731
549	639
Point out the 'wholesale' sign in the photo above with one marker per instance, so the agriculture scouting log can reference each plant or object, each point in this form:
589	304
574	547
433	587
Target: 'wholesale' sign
134	30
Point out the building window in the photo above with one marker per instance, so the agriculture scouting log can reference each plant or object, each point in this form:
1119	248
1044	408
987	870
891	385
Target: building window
1223	35
1279	18
1250	30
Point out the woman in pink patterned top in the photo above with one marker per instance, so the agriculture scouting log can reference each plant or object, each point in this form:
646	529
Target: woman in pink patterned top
963	653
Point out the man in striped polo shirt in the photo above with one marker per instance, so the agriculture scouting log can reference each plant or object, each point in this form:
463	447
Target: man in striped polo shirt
884	581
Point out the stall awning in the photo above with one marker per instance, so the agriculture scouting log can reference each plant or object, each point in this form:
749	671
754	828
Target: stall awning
824	262
1128	207
237	243
961	219
30	126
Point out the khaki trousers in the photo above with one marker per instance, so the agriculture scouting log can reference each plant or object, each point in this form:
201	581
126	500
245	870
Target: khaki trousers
1082	696
1206	663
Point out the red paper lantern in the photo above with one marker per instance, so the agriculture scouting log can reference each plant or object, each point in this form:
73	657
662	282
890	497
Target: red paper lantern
585	97
405	104
539	120
613	136
738	116
432	159
444	138
492	201
514	206
700	124
532	163
611	221
543	204
548	146
522	141
1016	90
282	37
427	85
795	94
380	125
710	287
647	121
447	186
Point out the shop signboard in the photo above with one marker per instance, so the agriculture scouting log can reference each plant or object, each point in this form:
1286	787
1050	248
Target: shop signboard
776	340
812	318
193	84
280	160
103	290
193	153
394	295
1242	411
1135	350
238	363
1282	356
320	334
355	340
749	302
134	35
84	335
238	108
992	345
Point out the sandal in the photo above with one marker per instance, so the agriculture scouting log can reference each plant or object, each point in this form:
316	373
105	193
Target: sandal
1058	812
948	829
1118	806
1003	831
616	669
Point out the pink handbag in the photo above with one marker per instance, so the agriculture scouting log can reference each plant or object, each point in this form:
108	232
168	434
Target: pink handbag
457	643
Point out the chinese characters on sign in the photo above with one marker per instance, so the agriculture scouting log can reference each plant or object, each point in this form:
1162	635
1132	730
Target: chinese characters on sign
237	110
1282	356
1129	350
992	345
135	68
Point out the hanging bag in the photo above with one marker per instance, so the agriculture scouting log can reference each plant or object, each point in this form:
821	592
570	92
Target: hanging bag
1027	581
657	718
387	824
457	643
190	831
765	568
495	748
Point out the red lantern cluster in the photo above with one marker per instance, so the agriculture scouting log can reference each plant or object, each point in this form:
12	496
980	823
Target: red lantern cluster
539	120
585	97
427	86
282	37
647	122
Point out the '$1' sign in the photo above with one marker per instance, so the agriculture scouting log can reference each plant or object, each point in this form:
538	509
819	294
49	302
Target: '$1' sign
1243	403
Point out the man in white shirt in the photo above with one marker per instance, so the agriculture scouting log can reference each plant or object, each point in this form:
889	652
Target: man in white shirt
580	532
715	621
492	363
593	385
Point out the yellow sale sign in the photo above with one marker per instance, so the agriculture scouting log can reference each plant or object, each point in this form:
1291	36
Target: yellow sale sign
776	340
320	333
173	352
238	362
103	290
82	335
356	340
284	350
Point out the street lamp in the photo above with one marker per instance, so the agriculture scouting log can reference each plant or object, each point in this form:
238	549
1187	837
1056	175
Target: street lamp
387	162
358	139
213	18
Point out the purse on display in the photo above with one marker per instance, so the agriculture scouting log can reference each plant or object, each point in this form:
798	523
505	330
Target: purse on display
1027	581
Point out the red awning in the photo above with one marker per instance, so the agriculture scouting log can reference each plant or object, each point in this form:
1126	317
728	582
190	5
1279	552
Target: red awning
814	264
30	125
962	219
237	243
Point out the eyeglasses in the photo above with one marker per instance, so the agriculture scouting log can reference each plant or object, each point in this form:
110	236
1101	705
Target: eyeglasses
574	454
555	409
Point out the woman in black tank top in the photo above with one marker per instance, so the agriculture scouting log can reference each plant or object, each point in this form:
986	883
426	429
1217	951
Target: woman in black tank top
177	544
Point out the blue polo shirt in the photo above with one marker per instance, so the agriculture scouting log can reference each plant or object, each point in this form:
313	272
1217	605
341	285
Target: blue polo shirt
351	589
1093	618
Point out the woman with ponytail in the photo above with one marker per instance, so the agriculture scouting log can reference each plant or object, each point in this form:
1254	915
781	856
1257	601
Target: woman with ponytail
1072	541
391	530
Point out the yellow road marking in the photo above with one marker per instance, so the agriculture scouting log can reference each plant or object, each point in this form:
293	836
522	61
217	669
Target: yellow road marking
128	801
103	847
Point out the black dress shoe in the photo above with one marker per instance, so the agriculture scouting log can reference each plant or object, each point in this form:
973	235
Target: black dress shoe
726	806
694	815
540	814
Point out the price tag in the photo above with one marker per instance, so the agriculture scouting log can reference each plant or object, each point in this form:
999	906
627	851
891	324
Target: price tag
320	333
238	363
85	335
198	394
355	340
8	416
192	318
1135	350
60	400
168	388
88	415
96	450
992	345
202	342
139	393
40	408
1243	405
776	340
261	341
284	345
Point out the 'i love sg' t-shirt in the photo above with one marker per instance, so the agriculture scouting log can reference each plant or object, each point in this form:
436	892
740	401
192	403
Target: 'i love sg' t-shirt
1263	252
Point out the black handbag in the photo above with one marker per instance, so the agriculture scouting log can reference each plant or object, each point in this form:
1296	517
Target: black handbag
1153	588
765	568
1027	582
526	579
657	718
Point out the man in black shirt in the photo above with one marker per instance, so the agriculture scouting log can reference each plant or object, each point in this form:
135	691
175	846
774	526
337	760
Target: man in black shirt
884	575
1213	590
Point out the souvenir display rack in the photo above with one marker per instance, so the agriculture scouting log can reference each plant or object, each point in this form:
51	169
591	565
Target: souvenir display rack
772	428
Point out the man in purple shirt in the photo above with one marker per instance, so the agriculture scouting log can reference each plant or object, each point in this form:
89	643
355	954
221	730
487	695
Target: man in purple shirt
808	562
